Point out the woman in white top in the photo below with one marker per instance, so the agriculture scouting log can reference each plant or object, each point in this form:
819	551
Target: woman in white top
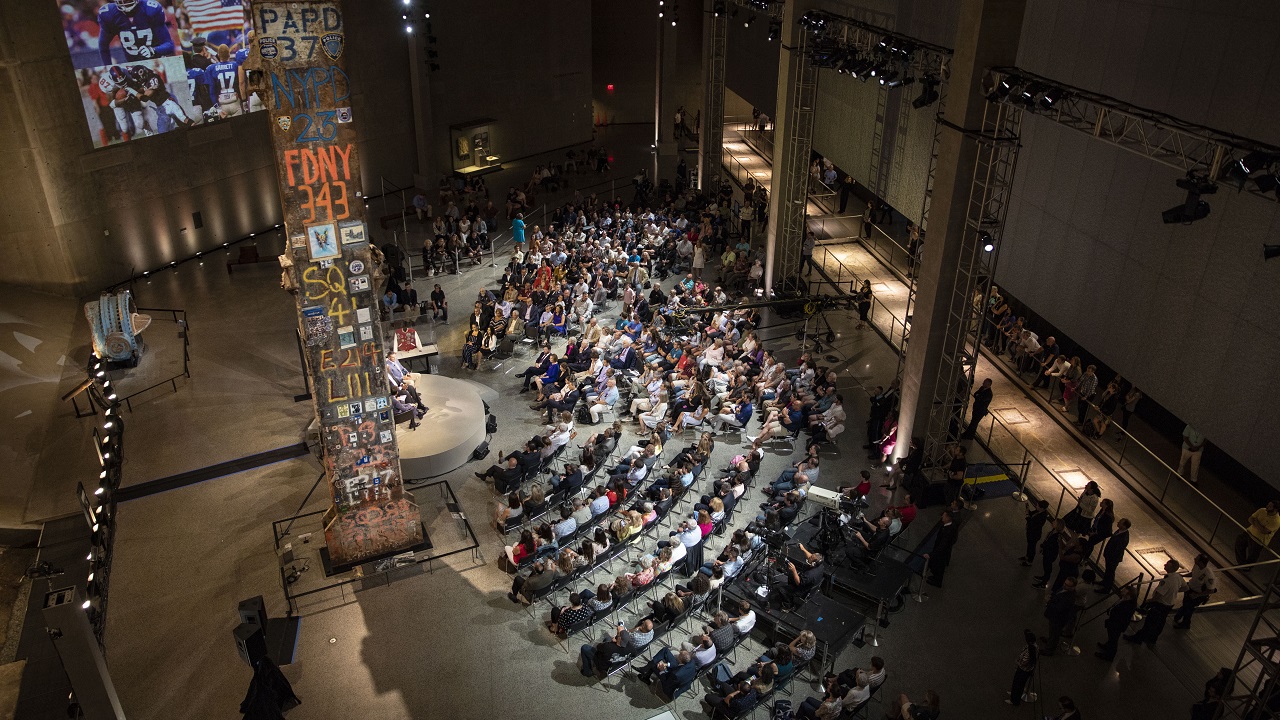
1086	508
656	415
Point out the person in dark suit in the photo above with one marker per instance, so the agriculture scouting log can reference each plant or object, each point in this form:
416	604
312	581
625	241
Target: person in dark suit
674	670
1113	554
1059	612
1049	549
539	367
939	557
623	359
981	404
1118	619
506	476
1037	516
1102	526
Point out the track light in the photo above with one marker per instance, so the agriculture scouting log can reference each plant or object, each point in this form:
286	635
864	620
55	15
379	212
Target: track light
1193	208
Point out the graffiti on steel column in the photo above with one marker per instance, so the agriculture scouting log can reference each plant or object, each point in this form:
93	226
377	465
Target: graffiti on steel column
297	61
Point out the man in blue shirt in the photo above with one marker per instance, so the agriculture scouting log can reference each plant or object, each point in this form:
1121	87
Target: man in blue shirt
140	26
567	524
732	416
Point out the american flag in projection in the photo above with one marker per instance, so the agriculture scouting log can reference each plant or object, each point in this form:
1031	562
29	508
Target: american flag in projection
210	15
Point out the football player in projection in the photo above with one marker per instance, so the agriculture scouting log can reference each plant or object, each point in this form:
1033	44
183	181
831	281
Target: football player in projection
224	82
141	28
151	88
125	103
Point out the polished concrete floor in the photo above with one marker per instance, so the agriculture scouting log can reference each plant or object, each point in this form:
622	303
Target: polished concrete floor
449	643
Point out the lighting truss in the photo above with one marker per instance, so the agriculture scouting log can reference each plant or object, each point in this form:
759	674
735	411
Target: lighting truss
1170	141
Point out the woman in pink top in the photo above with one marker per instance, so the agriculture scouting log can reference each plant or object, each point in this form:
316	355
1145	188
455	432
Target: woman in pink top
704	523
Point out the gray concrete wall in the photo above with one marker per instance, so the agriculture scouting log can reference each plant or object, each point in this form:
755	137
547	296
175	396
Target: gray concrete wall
77	219
623	52
526	65
1186	312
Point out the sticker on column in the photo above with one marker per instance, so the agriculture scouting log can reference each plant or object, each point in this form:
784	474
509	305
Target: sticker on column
346	336
359	283
323	242
352	233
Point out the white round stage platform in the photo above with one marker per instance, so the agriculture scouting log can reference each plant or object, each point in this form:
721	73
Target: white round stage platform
449	432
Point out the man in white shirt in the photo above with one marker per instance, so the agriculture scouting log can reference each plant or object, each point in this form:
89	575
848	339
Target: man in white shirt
1202	585
1160	604
746	618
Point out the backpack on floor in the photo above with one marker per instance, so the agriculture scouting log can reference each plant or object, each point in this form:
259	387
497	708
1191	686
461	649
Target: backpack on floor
782	710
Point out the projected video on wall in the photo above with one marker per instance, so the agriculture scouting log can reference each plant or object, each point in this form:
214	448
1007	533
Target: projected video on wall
147	67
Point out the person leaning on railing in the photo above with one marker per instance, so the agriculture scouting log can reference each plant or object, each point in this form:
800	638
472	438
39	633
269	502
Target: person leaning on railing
1261	527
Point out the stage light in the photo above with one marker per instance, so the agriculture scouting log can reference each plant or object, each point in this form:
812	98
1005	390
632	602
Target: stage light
277	225
99	491
404	17
1004	87
1237	173
717	8
408	29
85	605
928	93
1270	252
749	20
775	30
673	21
1051	96
112	396
1193	208
107	425
1268	182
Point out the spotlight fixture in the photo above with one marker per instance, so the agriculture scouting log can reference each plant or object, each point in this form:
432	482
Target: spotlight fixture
775	30
1238	173
1193	208
1004	88
928	92
1268	182
1050	97
813	20
988	242
1270	252
717	8
749	20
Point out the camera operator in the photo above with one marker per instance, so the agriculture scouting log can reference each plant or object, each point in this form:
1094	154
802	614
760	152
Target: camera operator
800	582
868	539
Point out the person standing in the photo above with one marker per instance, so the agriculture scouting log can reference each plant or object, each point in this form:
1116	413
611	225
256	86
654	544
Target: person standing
1059	611
806	252
1118	618
863	301
1025	668
1113	555
1049	549
1262	526
1199	588
745	215
1131	400
1160	604
846	187
939	557
866	221
1085	390
1037	516
517	231
1192	448
981	404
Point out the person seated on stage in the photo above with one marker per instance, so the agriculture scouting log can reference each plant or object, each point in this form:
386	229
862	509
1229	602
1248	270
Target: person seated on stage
566	617
505	477
400	405
598	660
868	540
567	524
400	379
800	581
539	367
568	482
511	510
525	587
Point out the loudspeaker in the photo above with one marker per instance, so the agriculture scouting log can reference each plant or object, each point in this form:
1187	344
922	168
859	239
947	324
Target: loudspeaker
251	642
254	611
491	425
481	451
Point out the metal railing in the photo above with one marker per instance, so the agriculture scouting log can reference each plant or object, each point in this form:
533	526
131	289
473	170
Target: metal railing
1188	507
843	280
185	334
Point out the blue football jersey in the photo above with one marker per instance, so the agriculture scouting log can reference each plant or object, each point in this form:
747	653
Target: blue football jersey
221	77
241	55
198	86
145	27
